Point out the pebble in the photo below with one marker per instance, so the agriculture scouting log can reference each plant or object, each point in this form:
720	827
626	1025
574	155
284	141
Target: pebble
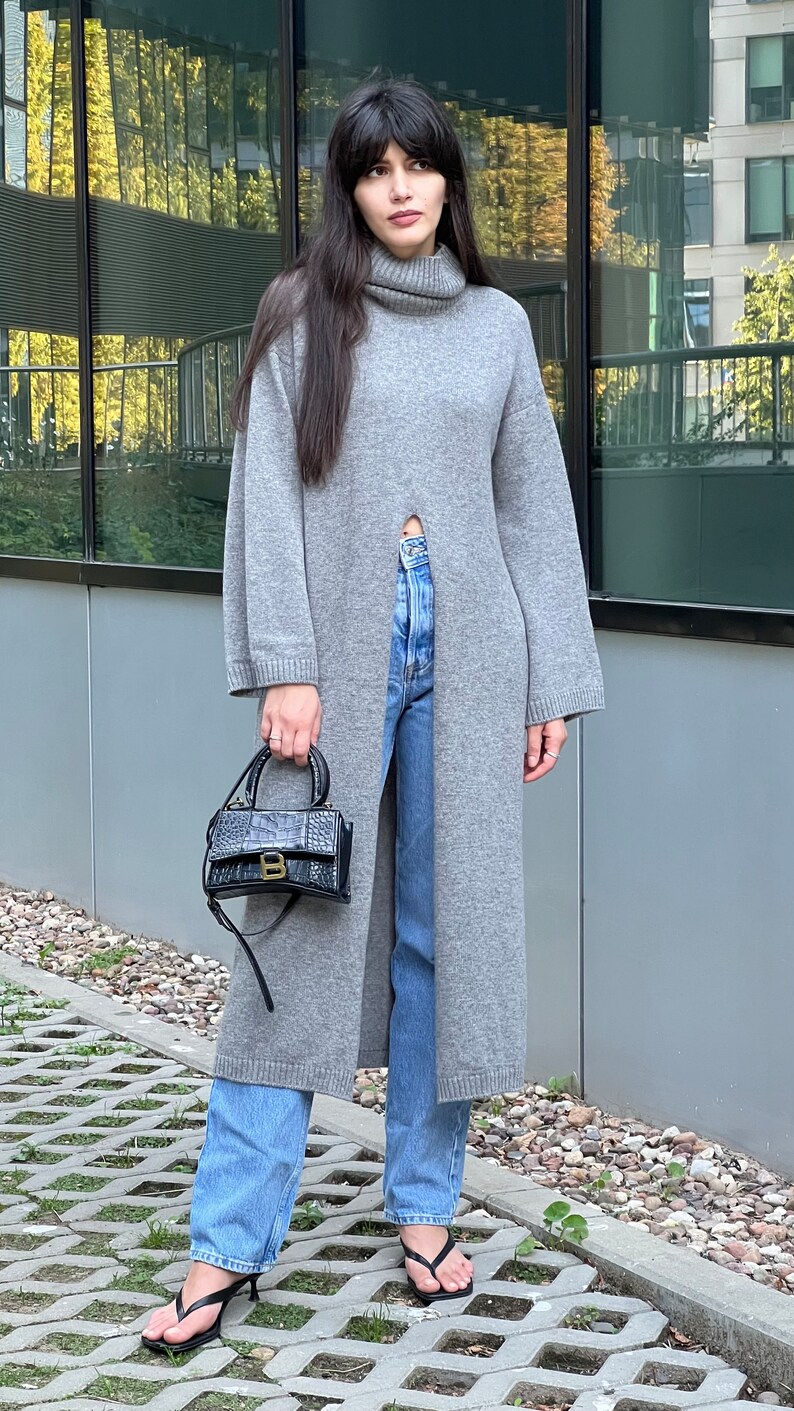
727	1207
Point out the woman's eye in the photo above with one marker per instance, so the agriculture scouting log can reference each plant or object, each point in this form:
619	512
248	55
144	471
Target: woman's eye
380	166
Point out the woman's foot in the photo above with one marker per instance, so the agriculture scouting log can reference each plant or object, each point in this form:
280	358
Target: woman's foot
201	1279
454	1272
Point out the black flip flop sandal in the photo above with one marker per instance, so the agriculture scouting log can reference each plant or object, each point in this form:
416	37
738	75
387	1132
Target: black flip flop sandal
221	1296
426	1295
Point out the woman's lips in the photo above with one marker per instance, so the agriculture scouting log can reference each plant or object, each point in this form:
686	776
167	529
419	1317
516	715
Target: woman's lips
405	219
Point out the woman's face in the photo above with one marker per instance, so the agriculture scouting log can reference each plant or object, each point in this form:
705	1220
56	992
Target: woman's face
397	184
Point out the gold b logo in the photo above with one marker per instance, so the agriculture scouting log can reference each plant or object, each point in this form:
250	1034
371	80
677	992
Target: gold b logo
273	867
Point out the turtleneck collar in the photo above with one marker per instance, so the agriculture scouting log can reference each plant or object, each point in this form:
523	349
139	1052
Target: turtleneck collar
421	284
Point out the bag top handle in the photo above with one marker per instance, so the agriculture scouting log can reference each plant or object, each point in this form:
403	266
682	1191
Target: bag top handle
321	778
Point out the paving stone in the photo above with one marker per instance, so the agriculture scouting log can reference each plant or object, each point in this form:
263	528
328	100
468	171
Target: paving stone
80	1267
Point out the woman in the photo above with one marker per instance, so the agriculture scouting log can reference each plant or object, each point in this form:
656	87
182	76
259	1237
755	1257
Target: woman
390	409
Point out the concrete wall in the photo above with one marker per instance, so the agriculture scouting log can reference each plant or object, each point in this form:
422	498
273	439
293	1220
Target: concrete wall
118	743
660	926
688	823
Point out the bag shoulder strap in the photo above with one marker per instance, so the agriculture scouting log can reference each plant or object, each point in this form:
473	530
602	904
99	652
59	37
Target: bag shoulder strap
220	916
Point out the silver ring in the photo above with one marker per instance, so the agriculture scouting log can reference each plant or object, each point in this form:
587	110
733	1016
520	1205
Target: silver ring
553	755
274	737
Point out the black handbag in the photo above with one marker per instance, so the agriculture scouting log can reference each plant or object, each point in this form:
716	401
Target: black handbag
251	851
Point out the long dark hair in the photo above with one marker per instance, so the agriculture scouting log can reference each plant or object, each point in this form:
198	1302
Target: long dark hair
326	280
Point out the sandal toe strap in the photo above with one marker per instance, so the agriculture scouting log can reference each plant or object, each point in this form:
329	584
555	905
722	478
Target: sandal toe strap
219	1296
430	1263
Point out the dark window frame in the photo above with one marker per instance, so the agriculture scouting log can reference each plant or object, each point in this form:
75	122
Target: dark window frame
709	622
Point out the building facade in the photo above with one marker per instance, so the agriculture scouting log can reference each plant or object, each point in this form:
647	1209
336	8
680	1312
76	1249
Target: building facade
632	172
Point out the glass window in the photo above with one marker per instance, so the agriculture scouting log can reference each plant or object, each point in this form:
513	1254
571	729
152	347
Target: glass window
184	208
692	380
765	78
504	87
697	204
765	198
770	78
697	312
770	198
40	495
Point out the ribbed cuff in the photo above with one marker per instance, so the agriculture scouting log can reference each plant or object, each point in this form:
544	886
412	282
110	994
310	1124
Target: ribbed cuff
245	678
577	701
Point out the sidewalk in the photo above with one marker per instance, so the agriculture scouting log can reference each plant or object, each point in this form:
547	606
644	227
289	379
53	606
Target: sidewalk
100	1128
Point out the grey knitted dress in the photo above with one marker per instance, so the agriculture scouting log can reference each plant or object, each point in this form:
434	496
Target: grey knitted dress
448	420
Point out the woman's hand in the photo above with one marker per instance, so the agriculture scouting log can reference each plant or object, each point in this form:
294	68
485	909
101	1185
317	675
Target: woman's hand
291	720
541	741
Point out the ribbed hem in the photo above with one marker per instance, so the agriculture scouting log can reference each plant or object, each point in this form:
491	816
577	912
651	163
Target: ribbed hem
574	702
248	677
307	1077
451	1087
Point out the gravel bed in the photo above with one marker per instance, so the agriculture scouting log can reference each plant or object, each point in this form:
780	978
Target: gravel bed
681	1187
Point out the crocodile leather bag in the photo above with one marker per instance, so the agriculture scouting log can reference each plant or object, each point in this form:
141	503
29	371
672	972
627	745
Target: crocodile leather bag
253	851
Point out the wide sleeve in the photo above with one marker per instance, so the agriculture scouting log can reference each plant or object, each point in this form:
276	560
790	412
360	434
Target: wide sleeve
537	529
268	632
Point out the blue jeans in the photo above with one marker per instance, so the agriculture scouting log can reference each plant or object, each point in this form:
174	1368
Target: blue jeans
250	1165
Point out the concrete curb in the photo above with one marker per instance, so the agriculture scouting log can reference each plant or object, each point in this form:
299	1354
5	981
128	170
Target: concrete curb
742	1321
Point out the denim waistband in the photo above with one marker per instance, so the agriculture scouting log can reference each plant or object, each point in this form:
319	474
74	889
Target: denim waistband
413	551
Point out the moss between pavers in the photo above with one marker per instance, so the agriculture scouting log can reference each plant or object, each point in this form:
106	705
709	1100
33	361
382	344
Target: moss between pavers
140	1104
23	1242
121	1213
72	1100
15	1374
75	1344
140	1278
439	1381
48	1204
516	1270
133	1391
317	1403
338	1369
529	1396
139	1069
373	1327
149	1358
110	1119
62	1273
39	1080
33	1119
291	1316
306	1281
143	1141
247	1367
10	1181
30	1154
223	1401
79	1182
118	1160
103	1047
106	1311
17	1301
